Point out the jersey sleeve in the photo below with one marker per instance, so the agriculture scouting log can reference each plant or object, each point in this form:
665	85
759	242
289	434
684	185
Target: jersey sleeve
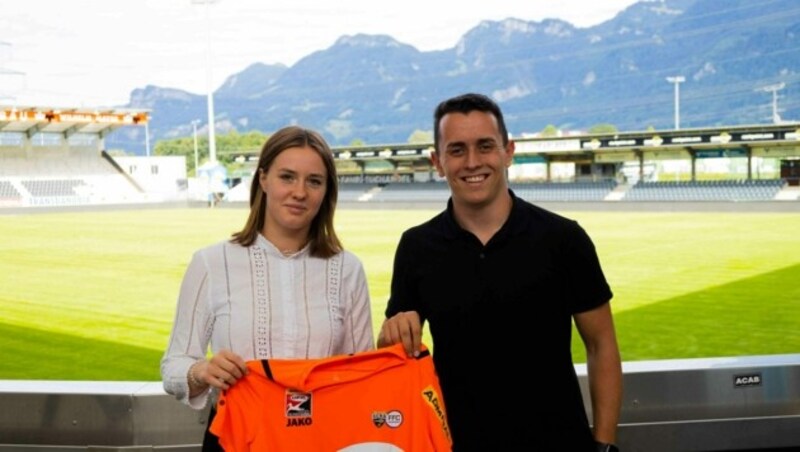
432	403
438	428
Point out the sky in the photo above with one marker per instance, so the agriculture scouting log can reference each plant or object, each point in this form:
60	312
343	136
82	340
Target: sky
93	53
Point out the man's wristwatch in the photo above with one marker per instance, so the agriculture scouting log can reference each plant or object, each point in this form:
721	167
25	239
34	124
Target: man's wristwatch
606	447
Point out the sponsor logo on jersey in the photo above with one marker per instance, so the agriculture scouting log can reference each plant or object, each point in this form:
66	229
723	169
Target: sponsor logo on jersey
297	408
432	398
391	419
298	421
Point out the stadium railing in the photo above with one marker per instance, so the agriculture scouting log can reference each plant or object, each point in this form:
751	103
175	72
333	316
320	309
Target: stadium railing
717	404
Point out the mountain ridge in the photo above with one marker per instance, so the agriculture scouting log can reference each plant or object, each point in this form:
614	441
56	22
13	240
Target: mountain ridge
375	89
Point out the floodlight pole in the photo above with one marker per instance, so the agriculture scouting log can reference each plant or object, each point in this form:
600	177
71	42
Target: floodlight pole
677	80
776	117
194	128
212	142
147	138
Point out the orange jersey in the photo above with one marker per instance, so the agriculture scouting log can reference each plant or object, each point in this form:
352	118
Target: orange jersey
379	400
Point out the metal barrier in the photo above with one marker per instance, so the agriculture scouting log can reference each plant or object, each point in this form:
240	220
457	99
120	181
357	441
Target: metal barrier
744	403
718	404
56	416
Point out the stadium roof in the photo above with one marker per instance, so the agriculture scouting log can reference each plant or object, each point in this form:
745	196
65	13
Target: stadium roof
773	140
69	121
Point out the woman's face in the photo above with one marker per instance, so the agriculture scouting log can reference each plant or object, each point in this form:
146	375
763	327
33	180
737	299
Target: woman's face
294	187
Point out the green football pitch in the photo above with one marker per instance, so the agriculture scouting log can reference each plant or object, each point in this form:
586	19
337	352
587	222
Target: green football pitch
91	295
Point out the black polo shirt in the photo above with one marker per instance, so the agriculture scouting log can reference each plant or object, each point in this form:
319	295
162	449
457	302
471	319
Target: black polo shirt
497	311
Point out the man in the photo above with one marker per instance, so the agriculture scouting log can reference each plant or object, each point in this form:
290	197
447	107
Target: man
500	282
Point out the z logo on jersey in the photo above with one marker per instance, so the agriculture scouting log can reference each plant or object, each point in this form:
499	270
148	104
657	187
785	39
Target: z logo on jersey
297	408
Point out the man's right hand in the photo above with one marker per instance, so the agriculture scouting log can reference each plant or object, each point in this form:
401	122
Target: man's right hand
402	327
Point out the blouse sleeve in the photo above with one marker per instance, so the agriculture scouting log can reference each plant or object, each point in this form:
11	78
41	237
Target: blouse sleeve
190	336
358	323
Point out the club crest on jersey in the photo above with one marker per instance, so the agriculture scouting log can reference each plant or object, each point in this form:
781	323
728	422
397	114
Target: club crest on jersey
297	408
392	419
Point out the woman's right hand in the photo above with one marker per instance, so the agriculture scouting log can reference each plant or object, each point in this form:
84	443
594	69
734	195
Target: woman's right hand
222	370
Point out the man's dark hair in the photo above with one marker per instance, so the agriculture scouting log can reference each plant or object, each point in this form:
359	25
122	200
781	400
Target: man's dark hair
466	103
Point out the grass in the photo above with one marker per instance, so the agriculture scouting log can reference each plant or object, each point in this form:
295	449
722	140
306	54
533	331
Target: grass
91	295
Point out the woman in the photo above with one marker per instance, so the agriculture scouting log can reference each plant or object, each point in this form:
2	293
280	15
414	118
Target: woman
282	287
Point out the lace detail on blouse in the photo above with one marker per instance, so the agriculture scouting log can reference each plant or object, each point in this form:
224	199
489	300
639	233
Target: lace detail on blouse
263	314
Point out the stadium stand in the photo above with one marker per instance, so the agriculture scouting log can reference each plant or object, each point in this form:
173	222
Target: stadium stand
55	157
52	187
355	191
8	191
412	192
51	177
718	190
436	193
564	191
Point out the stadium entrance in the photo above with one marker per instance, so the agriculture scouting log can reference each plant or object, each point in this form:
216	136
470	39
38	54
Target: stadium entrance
790	171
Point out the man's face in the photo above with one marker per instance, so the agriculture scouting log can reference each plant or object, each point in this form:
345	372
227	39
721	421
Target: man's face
472	158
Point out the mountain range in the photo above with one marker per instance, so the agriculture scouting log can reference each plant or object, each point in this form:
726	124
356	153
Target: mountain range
739	59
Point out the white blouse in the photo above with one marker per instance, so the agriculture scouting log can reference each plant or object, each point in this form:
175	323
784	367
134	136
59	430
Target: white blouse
260	304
